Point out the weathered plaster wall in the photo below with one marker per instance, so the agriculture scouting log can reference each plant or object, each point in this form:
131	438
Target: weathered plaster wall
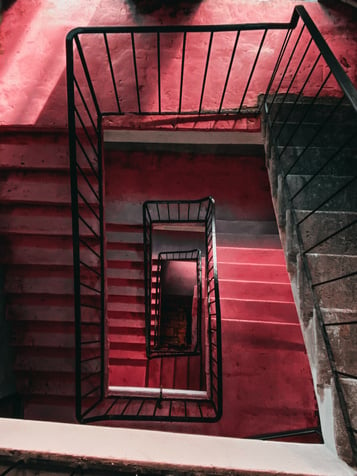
32	70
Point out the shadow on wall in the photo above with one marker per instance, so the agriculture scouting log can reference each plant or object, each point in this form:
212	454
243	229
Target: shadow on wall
6	4
173	7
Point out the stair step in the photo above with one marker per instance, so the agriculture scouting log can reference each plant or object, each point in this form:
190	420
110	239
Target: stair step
312	232
300	134
259	291
253	272
246	240
248	227
115	309
128	291
252	310
127	374
126	338
123	228
250	255
320	188
325	267
120	255
299	160
119	245
125	298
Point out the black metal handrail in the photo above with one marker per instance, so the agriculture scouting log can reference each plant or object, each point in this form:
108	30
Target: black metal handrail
194	346
311	115
191	212
90	100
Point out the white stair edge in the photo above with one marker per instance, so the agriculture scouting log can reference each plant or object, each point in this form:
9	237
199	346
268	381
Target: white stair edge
152	392
154	450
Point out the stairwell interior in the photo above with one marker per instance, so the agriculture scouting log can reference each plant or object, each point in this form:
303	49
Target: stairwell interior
285	239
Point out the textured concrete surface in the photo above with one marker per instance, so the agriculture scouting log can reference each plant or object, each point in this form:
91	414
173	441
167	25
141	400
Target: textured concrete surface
32	69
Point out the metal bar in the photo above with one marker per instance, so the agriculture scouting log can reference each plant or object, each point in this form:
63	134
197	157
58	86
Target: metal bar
85	69
158	70
102	262
90	268
320	170
85	130
331	236
87	157
87	181
293	79
328	199
252	70
84	103
90	392
205	73
311	141
86	377
90	358
135	71
111	71
185	28
89	247
327	281
277	65
341	77
87	204
91	288
229	71
287	142
88	226
182	69
75	224
344	323
285	71
115	400
345	374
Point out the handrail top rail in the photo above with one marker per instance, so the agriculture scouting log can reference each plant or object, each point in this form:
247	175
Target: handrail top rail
175	202
109	29
338	72
299	11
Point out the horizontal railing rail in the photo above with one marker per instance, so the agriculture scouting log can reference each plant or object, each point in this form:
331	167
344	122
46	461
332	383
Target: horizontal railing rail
202	79
311	113
189	213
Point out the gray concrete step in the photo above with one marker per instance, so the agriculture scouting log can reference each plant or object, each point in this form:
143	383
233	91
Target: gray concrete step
301	160
312	233
317	190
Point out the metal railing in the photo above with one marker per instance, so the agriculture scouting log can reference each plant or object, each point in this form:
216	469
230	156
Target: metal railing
116	71
193	334
311	115
138	71
186	213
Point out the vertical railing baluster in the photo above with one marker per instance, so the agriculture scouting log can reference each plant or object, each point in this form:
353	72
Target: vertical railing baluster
111	71
136	72
229	70
206	70
277	66
284	73
182	70
252	70
158	70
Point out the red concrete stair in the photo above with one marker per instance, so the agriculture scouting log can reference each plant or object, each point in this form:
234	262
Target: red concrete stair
265	368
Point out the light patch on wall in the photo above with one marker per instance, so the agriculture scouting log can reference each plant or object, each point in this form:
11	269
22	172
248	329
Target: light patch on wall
32	65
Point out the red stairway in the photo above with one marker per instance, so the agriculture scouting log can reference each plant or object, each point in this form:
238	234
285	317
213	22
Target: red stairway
267	384
128	364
